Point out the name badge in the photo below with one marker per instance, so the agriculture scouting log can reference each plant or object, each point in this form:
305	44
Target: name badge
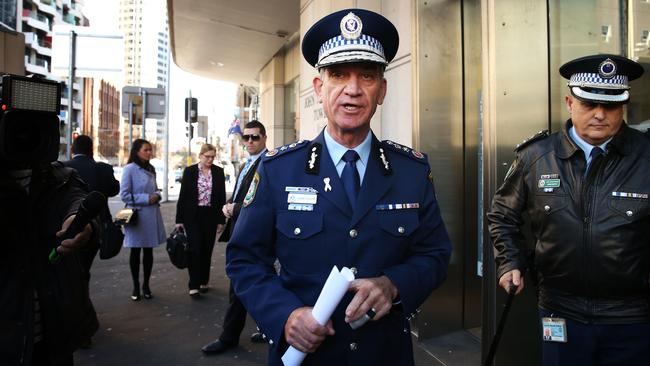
554	330
548	183
303	198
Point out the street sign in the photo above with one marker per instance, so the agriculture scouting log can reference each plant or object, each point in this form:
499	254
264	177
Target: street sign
154	101
97	53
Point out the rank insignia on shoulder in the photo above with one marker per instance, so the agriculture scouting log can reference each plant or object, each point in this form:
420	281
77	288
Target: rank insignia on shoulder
285	149
536	137
413	154
250	195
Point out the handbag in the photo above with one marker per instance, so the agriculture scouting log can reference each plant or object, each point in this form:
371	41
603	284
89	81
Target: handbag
111	239
178	249
127	215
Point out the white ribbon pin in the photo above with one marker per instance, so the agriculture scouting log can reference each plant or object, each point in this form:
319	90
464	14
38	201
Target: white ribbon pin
328	187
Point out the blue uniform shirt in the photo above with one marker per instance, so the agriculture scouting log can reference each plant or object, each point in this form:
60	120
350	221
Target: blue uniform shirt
395	230
337	150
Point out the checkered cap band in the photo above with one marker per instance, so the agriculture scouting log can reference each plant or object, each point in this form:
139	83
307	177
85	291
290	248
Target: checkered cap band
364	45
592	80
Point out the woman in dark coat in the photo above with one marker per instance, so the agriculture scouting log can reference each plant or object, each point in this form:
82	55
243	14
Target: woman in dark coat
198	213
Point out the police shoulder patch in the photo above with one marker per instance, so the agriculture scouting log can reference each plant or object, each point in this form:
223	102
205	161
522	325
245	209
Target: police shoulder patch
252	189
279	151
405	150
536	137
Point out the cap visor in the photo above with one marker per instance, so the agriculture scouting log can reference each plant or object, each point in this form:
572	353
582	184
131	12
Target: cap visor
600	98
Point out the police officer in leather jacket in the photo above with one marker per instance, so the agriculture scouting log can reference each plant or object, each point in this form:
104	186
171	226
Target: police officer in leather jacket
586	191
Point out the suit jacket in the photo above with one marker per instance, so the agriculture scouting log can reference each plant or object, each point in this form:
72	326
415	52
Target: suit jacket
188	199
238	199
395	230
99	176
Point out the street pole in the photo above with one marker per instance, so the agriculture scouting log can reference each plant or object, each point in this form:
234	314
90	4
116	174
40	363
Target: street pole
143	94
165	196
131	117
71	70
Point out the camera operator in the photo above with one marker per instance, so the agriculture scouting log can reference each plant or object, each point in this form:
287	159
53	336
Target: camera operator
45	311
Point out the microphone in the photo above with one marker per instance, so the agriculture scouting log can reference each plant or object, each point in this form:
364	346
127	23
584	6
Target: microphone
88	209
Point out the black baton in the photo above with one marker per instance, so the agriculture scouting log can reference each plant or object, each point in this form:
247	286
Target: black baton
512	289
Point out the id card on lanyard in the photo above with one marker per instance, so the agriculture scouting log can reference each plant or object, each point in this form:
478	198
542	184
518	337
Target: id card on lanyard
554	330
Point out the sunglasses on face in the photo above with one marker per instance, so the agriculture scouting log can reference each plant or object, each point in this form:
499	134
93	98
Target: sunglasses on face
255	137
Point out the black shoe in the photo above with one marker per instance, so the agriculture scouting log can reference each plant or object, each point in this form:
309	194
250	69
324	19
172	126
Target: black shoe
146	293
217	347
258	337
203	289
135	296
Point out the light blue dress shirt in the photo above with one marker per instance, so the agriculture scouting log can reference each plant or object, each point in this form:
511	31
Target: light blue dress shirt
249	162
337	150
584	145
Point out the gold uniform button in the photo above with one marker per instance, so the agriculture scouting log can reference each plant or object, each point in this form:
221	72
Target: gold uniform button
296	231
353	346
401	230
353	233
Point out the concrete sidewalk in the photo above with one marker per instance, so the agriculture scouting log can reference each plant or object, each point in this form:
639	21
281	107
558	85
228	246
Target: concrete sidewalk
171	328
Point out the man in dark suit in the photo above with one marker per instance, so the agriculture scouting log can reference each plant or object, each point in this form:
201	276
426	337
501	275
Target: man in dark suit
255	141
99	177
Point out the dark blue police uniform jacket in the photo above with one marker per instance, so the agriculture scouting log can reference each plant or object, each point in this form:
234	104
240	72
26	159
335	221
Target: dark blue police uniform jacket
408	245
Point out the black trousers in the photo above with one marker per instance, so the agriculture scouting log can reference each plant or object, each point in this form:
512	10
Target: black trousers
235	319
201	235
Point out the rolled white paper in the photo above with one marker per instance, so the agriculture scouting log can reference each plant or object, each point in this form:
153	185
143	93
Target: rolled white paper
335	287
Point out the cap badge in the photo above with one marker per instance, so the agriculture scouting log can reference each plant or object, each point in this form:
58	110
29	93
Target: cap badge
351	26
607	69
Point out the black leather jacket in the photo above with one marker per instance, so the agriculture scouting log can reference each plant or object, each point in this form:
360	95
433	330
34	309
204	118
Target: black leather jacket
592	234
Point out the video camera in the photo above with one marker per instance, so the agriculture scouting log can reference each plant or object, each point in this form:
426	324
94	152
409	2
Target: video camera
29	122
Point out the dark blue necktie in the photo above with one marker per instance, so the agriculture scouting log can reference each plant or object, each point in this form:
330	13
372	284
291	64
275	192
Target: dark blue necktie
350	176
594	154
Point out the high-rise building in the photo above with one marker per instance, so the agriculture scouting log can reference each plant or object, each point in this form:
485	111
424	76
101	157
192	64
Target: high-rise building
146	53
35	21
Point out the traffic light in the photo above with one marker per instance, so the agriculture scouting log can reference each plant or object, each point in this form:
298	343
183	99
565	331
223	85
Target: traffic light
191	109
189	131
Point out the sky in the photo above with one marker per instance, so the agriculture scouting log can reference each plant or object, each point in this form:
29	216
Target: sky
216	99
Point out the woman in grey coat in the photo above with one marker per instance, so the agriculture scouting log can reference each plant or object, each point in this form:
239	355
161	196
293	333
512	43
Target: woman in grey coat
138	190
